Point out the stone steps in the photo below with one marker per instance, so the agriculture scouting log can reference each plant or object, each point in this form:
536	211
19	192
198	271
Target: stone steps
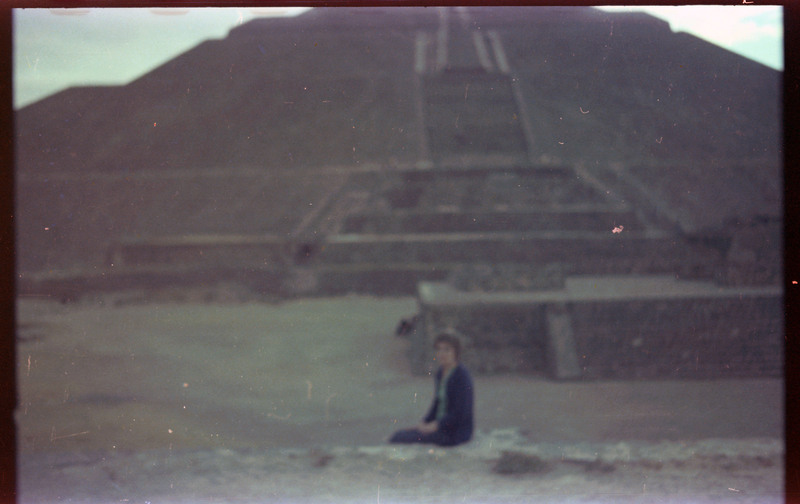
633	251
472	113
400	222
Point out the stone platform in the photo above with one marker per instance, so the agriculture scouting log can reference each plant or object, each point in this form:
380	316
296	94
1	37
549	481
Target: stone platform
606	327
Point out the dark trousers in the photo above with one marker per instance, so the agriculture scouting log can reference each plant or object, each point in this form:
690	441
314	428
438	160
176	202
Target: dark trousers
408	436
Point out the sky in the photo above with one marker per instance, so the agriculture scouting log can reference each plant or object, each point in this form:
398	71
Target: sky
55	49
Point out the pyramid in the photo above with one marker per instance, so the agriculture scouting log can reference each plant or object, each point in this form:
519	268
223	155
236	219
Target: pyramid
377	150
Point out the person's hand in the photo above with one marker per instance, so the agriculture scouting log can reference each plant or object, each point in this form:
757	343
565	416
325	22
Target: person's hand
428	428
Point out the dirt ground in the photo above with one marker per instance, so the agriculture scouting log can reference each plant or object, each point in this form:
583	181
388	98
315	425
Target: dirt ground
319	384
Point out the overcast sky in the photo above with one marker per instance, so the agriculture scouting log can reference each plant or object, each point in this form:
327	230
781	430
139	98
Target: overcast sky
59	48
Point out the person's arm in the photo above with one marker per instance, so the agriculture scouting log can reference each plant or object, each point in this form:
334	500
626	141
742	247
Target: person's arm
432	411
428	423
431	415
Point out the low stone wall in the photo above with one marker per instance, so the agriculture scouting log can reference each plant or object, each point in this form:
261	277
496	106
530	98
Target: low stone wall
69	286
495	338
213	250
382	264
609	328
378	280
591	219
578	253
722	337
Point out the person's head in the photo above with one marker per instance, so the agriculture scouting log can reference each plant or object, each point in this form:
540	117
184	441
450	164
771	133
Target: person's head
448	350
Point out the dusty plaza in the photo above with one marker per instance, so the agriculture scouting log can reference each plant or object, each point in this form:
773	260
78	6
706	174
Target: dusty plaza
221	401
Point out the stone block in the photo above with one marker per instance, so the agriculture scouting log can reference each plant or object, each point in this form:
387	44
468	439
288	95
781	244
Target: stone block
611	327
561	357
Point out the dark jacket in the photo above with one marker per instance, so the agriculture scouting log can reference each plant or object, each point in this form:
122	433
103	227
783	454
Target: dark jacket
457	423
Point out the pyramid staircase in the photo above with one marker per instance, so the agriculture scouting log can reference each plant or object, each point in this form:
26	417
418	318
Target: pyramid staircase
471	105
474	198
592	261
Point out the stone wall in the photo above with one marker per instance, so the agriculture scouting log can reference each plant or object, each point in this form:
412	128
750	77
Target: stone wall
670	330
564	219
203	250
688	338
495	338
578	253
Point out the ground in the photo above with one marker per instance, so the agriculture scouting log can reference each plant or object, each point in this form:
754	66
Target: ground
149	398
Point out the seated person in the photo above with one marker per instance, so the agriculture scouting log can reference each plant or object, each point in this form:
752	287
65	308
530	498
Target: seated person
449	420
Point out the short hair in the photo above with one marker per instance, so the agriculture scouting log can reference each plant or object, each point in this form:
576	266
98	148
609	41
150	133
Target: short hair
449	339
